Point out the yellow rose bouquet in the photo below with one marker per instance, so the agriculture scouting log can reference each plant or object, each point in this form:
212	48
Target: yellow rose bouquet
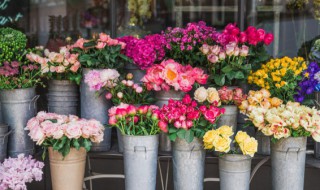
280	76
220	140
287	120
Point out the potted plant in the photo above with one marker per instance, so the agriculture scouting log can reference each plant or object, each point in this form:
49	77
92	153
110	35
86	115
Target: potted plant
139	127
18	79
288	126
170	80
62	71
186	123
68	139
16	172
235	161
101	52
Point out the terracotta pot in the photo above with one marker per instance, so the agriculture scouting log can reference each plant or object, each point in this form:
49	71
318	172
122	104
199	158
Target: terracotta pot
68	172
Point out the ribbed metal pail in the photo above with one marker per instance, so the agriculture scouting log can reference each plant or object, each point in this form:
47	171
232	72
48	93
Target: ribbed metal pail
138	74
18	106
140	162
317	144
264	143
4	134
95	107
229	118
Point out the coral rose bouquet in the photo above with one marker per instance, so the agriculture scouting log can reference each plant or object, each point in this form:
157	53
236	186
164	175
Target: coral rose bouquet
234	53
16	172
280	76
61	65
172	75
220	140
135	120
119	91
100	52
64	132
185	119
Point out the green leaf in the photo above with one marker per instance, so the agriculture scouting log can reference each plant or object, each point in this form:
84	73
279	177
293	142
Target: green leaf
172	130
76	144
239	75
219	79
226	69
202	123
87	144
84	58
181	133
173	136
189	136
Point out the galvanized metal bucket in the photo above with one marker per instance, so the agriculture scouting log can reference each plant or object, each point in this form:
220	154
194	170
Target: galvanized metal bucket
140	162
162	98
138	74
63	97
234	171
4	134
317	144
288	157
95	107
264	143
120	141
188	164
1	120
229	118
18	106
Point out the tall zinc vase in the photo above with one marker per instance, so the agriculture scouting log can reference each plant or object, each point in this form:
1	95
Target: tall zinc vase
4	134
140	162
188	164
317	144
18	106
63	97
234	171
264	143
162	98
138	74
95	106
229	118
68	172
288	157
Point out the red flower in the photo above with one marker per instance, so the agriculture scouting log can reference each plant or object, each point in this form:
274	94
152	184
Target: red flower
163	126
268	38
193	115
187	99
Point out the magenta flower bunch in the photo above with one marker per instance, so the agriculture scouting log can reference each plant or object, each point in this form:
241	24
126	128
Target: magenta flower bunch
16	172
146	51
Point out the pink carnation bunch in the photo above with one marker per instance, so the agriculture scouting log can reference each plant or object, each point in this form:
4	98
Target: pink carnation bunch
231	96
16	172
97	79
186	114
170	74
46	126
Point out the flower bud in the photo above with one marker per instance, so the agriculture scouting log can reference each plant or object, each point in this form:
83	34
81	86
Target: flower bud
120	95
129	76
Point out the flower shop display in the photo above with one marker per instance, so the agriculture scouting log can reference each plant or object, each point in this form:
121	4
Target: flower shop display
68	139
234	168
4	134
62	69
288	125
280	76
140	11
18	78
139	129
235	53
185	123
16	172
101	52
170	80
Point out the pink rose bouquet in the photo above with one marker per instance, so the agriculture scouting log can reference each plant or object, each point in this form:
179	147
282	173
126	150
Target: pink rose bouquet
60	66
231	96
170	74
64	132
135	120
100	52
16	172
186	120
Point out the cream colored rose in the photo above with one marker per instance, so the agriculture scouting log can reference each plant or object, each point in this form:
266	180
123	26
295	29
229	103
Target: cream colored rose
225	131
200	94
265	93
241	136
213	96
249	146
222	144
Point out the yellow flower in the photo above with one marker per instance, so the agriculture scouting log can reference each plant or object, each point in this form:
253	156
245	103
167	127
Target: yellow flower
241	136
249	146
278	85
283	83
306	75
225	131
210	136
213	96
222	144
275	102
208	146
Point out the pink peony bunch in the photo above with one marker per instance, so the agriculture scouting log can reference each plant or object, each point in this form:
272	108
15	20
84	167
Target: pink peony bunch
231	96
96	79
101	42
59	63
185	114
146	51
53	126
16	172
172	74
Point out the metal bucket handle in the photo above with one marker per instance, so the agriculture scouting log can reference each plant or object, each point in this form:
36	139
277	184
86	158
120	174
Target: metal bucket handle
4	136
293	149
141	149
192	149
34	101
317	103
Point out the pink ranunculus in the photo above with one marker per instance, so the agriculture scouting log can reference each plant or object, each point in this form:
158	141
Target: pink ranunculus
73	130
243	37
163	126
199	75
261	34
100	45
187	99
193	115
123	45
113	120
104	37
131	110
268	38
112	110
